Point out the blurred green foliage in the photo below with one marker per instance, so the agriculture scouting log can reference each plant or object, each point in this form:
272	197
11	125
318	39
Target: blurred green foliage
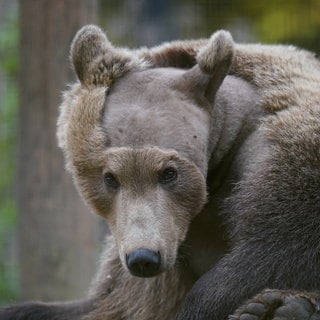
272	21
8	129
276	20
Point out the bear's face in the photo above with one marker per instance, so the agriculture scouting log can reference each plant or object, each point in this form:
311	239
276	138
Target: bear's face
150	196
136	142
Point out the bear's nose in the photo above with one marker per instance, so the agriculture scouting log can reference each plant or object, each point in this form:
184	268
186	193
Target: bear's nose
144	262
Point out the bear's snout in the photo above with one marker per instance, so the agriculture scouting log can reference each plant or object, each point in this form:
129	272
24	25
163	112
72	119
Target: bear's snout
144	262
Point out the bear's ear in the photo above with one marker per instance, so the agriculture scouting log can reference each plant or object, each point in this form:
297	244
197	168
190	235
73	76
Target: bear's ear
213	63
215	60
96	61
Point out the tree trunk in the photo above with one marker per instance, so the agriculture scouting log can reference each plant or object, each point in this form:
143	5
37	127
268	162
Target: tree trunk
57	235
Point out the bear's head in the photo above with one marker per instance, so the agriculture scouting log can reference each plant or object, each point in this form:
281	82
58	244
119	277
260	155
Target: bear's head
135	138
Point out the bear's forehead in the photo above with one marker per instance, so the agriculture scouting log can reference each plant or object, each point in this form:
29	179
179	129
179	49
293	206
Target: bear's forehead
151	85
145	108
151	111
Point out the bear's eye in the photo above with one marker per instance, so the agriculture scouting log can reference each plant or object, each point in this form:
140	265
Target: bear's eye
168	175
110	181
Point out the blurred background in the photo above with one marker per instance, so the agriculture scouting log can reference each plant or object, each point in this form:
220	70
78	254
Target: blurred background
49	241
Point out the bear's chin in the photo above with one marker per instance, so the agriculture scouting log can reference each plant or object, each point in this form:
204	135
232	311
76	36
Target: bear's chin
147	274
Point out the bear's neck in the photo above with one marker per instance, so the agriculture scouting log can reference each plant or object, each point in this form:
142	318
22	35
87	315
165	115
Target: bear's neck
235	115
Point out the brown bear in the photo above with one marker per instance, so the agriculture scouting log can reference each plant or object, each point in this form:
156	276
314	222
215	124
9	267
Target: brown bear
209	182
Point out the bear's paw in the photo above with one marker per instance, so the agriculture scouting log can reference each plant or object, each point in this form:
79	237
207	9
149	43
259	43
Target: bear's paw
279	305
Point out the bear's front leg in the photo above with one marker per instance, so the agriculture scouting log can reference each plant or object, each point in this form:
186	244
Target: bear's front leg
274	212
279	304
